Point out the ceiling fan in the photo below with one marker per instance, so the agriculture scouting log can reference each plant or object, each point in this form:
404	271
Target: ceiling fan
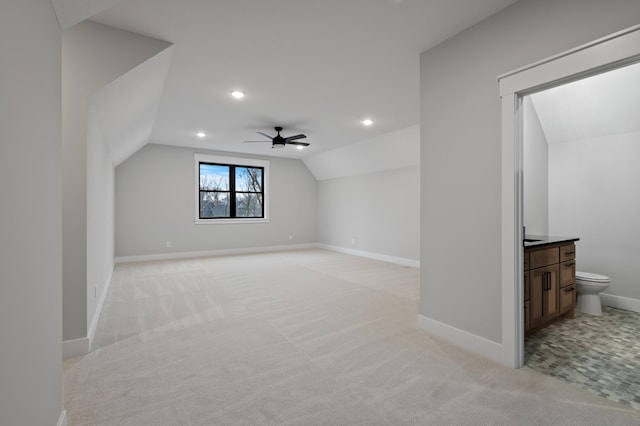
278	141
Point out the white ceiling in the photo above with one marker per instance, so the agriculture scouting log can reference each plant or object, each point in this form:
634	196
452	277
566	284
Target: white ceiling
602	105
316	67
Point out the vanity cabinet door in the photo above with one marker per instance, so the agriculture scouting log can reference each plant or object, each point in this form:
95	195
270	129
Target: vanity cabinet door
544	292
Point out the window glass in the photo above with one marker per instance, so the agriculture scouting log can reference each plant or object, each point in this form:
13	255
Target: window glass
230	191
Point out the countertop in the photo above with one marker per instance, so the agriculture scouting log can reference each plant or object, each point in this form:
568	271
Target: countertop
543	240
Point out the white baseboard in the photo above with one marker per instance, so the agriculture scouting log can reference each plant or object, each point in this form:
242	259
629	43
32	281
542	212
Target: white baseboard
376	256
461	338
82	346
620	302
208	253
98	312
62	420
76	347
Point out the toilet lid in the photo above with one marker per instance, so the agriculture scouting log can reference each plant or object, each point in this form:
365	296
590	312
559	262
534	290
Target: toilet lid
589	276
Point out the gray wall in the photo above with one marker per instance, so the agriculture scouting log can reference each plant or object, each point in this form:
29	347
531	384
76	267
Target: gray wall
461	147
30	215
155	204
535	173
594	195
380	211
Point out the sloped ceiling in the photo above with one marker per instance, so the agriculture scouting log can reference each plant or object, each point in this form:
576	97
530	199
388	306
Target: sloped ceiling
71	12
126	108
602	105
394	150
316	67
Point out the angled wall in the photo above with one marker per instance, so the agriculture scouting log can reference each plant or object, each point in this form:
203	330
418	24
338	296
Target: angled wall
93	55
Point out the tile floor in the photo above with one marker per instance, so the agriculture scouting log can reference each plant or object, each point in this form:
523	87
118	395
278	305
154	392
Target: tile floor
599	354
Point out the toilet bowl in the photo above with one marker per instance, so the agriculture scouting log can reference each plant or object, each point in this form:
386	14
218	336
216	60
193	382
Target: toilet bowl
588	288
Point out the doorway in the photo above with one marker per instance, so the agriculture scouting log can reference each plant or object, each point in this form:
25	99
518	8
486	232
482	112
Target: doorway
580	156
611	52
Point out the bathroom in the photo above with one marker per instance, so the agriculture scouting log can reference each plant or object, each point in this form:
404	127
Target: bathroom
582	179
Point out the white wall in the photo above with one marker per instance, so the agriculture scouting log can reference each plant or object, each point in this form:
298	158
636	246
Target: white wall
30	215
376	213
461	150
100	219
535	173
92	56
594	195
155	191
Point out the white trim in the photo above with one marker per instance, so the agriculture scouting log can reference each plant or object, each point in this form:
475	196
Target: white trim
376	256
607	53
76	347
512	335
620	302
229	221
98	312
461	338
62	420
208	253
237	161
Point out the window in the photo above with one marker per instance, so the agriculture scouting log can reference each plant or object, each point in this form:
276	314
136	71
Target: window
231	189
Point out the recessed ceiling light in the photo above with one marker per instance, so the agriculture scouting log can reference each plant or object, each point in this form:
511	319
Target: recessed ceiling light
238	94
201	134
367	122
300	147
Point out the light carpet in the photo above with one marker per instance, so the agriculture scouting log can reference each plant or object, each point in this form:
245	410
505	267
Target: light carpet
306	337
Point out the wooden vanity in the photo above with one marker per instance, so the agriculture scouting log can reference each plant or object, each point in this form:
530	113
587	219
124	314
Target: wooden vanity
549	281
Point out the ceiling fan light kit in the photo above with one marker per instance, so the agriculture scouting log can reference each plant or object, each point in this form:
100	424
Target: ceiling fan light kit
279	141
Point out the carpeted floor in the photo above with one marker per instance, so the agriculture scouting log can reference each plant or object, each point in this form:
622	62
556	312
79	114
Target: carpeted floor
298	338
598	353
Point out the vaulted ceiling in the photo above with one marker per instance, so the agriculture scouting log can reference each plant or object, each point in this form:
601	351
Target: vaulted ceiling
313	67
601	105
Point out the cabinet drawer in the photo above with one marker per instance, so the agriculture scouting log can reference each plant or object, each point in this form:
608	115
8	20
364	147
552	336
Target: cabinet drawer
527	321
526	261
527	292
544	257
567	298
567	273
567	252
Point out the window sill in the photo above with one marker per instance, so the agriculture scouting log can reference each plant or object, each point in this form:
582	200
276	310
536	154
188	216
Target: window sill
228	221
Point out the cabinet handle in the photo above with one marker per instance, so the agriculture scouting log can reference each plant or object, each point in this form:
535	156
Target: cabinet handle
569	289
570	264
547	280
569	252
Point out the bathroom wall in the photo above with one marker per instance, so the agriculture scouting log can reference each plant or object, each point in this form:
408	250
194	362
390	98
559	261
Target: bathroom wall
593	194
535	173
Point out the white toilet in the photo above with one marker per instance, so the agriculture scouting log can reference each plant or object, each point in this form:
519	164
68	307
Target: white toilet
588	287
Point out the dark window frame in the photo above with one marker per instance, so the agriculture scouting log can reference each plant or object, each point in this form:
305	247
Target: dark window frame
232	191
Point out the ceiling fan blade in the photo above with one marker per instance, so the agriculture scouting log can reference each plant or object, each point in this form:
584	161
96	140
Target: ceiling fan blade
256	141
295	137
297	143
265	135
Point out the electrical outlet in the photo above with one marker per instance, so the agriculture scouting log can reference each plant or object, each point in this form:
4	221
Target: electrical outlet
353	241
290	237
95	290
168	244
